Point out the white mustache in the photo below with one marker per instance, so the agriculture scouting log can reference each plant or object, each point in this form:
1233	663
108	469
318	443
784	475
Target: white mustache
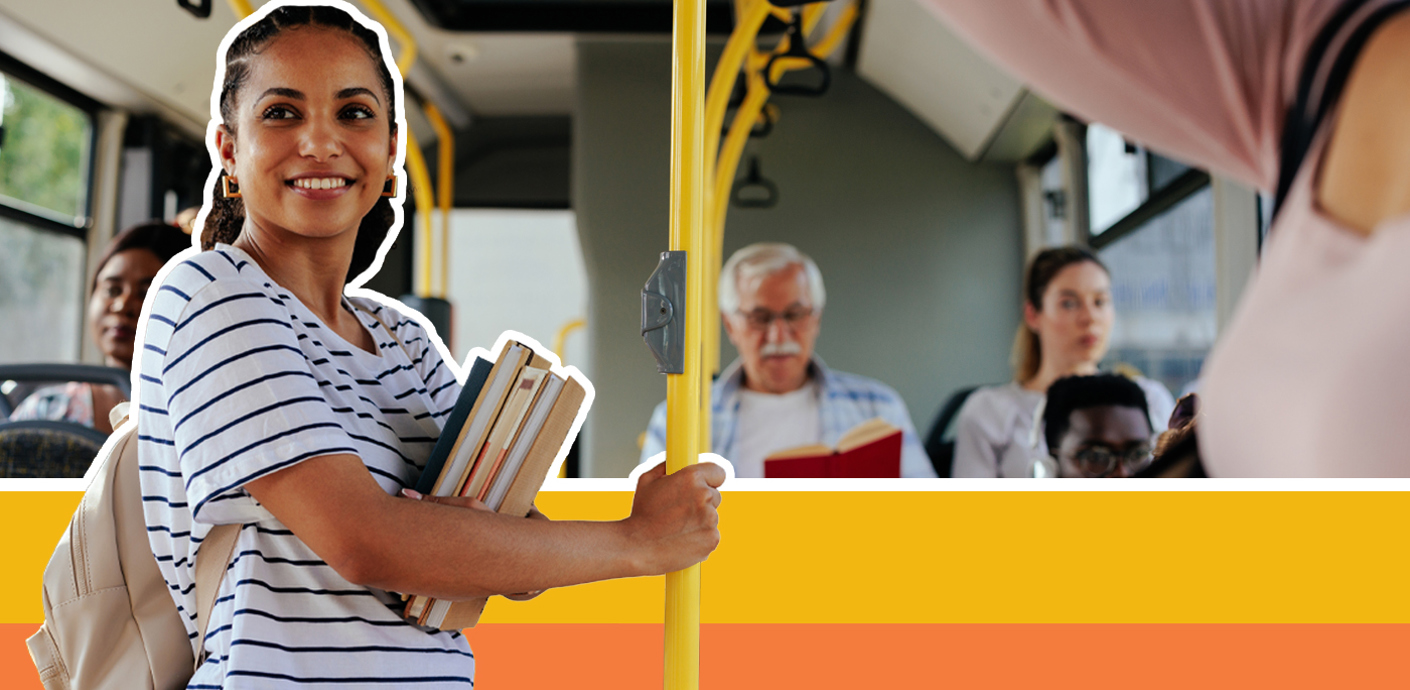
785	348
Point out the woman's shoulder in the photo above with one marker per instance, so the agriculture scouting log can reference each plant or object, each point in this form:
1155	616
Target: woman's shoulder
210	292
1002	400
213	274
221	264
999	409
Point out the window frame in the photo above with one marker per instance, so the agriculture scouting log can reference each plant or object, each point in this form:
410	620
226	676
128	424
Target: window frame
1158	202
1183	187
39	218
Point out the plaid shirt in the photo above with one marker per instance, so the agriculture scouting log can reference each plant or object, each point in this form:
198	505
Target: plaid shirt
845	400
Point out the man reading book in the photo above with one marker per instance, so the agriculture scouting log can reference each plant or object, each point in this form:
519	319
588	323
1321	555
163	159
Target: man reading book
779	394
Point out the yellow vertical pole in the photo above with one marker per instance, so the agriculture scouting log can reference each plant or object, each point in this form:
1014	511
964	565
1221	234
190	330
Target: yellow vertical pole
421	192
683	391
445	188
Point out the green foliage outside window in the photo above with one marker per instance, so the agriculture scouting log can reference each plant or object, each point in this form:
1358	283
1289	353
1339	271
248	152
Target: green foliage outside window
44	153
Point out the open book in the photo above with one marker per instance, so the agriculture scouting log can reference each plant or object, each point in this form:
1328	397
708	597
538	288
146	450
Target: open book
870	449
511	421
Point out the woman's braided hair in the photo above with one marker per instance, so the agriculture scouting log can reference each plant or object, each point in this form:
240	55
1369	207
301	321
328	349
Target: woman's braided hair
227	216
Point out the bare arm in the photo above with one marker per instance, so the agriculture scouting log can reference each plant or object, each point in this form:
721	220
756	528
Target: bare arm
1366	176
447	551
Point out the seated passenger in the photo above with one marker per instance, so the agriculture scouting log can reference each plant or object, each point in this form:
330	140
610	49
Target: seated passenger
125	270
778	394
1067	323
1097	426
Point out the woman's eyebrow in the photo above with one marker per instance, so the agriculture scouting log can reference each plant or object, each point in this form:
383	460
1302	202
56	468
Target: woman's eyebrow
358	91
285	92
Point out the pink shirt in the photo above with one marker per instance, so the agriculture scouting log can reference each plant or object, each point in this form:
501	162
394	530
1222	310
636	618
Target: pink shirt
1311	377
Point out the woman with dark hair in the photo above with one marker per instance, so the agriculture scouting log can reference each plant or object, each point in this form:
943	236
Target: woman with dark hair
125	270
273	398
1067	322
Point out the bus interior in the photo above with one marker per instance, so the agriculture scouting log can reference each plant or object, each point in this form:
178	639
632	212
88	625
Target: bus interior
920	179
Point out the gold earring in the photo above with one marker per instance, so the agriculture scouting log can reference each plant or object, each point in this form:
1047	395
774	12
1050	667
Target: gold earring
230	186
389	188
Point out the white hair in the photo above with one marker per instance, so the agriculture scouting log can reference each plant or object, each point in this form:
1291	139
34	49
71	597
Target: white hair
763	259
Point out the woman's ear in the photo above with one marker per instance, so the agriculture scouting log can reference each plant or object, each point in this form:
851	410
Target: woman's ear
225	146
392	152
1030	316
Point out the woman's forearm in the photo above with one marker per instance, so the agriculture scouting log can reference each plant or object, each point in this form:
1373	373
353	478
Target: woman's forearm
454	552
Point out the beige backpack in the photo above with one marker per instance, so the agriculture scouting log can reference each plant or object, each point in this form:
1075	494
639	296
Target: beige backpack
109	619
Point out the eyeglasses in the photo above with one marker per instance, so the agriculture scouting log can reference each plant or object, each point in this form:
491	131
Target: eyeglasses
1102	461
761	319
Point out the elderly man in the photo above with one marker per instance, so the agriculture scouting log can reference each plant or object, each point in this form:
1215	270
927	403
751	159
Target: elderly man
778	394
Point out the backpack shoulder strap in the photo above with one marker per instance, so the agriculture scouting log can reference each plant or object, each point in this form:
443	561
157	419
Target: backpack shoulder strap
218	549
212	561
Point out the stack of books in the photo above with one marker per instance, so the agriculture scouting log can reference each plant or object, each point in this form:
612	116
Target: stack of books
511	421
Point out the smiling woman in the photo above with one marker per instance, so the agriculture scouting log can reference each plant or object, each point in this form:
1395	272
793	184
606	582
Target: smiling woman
272	397
301	109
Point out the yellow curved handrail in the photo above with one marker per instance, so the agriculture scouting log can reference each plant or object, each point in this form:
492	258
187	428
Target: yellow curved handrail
415	162
741	49
396	31
828	45
740	43
561	337
445	188
241	8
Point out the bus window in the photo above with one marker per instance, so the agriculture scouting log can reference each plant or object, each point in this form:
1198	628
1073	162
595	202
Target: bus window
1163	286
493	252
1122	176
45	148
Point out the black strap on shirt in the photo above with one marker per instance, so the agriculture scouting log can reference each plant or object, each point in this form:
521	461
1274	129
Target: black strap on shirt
1303	119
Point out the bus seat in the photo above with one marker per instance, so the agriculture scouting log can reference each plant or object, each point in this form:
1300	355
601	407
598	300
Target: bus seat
33	448
940	441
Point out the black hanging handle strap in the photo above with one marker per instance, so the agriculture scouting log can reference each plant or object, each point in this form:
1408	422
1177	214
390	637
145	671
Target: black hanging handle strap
798	48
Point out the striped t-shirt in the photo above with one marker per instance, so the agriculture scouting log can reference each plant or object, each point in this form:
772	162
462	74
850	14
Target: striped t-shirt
239	380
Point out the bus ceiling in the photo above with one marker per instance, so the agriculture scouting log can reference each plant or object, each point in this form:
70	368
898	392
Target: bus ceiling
516	58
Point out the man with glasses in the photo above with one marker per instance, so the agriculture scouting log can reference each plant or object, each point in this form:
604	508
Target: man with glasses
1097	426
779	394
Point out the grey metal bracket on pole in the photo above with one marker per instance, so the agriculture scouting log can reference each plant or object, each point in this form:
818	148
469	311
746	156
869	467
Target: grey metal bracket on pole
663	312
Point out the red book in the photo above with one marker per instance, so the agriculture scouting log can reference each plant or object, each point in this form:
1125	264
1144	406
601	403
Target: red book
870	449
